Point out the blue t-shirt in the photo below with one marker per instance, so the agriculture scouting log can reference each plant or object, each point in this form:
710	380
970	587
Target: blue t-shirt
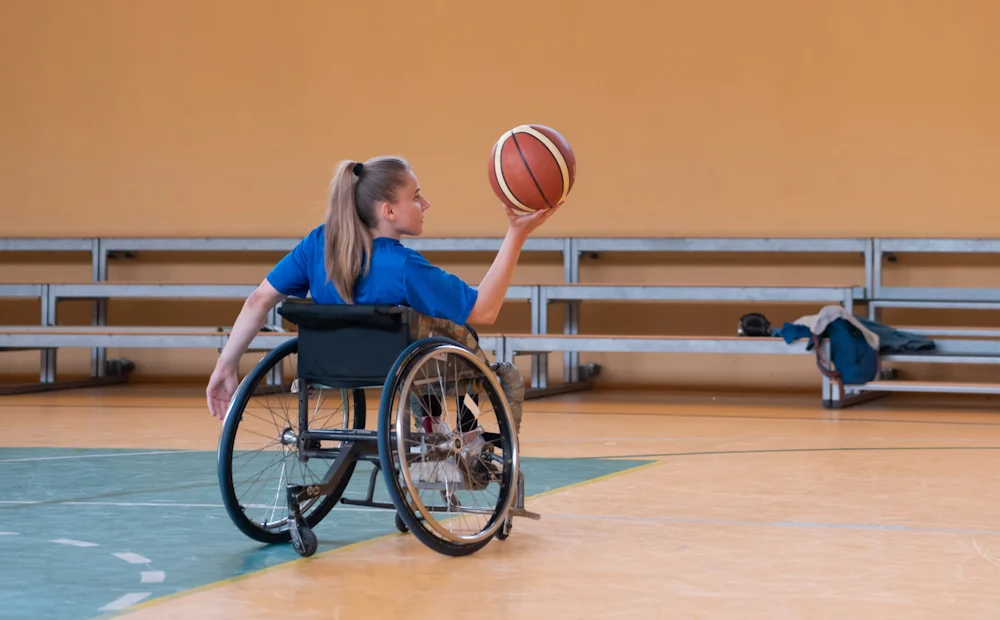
398	276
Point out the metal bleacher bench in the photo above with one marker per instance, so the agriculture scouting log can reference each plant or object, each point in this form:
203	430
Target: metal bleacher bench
99	337
593	247
49	337
52	337
574	294
955	344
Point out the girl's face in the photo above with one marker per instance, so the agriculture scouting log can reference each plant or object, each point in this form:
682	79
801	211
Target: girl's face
406	213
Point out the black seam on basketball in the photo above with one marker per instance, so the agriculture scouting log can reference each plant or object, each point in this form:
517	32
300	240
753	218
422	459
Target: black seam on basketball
517	204
513	137
555	160
521	207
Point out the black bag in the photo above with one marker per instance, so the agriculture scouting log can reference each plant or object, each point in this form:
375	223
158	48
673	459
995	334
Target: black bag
754	325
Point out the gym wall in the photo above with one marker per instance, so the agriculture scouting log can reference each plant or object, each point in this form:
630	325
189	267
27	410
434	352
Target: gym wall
716	118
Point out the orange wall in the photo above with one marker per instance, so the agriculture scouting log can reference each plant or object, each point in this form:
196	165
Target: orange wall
771	118
776	117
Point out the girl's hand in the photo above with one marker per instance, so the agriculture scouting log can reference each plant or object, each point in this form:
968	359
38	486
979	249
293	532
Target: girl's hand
526	223
221	387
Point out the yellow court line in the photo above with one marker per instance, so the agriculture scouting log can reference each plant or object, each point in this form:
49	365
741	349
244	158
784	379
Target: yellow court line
230	580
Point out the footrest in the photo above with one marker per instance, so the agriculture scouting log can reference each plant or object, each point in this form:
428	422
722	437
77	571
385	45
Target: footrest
521	512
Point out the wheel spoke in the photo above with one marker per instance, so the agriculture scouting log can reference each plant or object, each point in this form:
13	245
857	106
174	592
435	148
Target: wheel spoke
275	437
456	476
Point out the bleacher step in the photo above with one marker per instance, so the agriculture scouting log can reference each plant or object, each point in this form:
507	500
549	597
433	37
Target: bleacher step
937	387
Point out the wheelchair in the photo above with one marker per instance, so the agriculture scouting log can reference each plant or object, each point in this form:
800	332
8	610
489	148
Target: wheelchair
445	445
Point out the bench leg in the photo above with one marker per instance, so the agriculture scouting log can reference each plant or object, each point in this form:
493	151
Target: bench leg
841	398
119	372
99	355
571	359
48	370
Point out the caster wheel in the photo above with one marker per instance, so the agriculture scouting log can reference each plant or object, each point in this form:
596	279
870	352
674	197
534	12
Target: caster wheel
400	525
306	542
505	529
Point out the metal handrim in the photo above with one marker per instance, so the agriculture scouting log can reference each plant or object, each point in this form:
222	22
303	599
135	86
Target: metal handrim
408	479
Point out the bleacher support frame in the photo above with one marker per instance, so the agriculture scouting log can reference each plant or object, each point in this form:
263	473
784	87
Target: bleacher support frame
955	345
978	346
574	374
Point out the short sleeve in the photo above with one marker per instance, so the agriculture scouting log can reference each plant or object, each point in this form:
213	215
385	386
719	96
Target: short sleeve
291	275
436	293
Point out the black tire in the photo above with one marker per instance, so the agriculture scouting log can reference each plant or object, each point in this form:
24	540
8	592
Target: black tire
310	544
227	441
400	525
504	532
388	449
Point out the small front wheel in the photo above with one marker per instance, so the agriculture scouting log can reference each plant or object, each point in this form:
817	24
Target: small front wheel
504	531
400	525
306	542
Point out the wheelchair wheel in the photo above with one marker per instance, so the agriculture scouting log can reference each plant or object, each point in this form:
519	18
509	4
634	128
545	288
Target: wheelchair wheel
259	452
447	446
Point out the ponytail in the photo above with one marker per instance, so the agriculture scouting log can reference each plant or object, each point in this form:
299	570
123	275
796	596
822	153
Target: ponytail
356	190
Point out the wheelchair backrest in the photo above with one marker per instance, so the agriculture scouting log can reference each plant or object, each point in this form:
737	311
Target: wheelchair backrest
348	346
313	316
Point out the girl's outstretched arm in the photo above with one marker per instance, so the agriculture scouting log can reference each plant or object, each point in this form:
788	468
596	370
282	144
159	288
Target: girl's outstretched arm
224	381
494	286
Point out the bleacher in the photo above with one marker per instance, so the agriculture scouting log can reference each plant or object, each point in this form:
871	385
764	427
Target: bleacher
955	344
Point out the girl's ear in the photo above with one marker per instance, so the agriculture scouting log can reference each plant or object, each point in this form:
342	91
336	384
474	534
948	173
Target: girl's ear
386	211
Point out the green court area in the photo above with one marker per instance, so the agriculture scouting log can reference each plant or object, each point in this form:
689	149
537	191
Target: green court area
86	532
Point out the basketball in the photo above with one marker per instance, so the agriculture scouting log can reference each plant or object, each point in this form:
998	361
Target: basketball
531	168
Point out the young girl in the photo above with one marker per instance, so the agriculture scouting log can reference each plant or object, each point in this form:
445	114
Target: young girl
356	257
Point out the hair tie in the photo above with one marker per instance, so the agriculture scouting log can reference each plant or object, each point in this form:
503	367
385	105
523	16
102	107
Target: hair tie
358	167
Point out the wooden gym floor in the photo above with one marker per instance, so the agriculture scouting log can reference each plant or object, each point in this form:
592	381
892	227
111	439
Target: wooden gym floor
654	505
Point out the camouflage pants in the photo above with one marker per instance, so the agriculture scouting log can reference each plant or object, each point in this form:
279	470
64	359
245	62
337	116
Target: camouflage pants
508	376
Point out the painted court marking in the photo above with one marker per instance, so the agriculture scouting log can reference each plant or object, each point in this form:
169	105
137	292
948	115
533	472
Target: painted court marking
153	576
150	576
147	576
167	505
126	601
74	543
99	456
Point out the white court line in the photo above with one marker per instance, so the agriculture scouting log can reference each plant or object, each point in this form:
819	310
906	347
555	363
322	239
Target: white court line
9	534
738	438
171	505
99	456
126	601
132	558
153	576
74	543
599	439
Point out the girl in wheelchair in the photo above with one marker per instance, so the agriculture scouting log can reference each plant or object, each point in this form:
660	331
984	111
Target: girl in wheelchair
356	256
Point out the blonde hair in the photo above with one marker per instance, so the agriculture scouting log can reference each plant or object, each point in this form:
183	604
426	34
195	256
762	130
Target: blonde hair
355	191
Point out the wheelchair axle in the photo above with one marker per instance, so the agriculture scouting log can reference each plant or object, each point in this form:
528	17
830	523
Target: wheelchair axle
345	435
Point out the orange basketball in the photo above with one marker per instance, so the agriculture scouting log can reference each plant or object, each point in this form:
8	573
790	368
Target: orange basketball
531	168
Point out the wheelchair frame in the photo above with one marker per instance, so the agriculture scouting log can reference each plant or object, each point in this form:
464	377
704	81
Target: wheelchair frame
387	348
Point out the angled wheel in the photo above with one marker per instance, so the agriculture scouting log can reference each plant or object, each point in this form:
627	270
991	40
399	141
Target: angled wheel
447	446
259	450
400	525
